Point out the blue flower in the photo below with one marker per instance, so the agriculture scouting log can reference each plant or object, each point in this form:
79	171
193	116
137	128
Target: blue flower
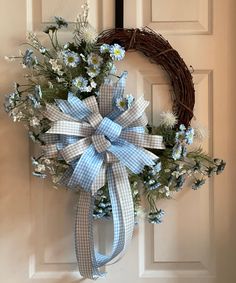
177	151
220	167
182	127
130	100
211	171
198	183
104	48
102	206
154	186
123	103
35	99
157	167
80	83
38	92
151	182
154	170
156	217
70	58
117	52
180	182
60	22
28	59
11	101
34	102
189	135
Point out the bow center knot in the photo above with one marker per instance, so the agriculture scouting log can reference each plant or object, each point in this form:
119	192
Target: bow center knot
109	129
100	143
107	132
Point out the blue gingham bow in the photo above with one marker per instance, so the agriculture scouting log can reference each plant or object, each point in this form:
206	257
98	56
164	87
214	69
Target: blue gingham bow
99	141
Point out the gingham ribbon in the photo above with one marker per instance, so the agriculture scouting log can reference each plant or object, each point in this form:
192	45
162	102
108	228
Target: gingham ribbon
99	141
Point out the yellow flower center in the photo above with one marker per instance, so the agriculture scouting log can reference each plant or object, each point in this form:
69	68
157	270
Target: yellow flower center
117	52
71	59
94	60
122	103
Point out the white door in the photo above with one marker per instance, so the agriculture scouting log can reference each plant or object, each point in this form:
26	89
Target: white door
195	244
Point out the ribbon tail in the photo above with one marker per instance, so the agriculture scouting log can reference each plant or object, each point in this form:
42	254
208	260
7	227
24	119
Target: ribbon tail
84	245
89	260
125	212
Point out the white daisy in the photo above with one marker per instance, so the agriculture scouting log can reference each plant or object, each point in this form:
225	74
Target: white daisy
94	60
121	104
92	71
117	52
70	58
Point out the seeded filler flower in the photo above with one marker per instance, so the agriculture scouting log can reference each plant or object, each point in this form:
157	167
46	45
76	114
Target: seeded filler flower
168	119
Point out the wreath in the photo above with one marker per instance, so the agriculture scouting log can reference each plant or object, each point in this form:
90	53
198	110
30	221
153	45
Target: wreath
96	141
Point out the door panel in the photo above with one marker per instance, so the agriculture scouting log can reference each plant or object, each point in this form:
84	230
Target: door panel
176	17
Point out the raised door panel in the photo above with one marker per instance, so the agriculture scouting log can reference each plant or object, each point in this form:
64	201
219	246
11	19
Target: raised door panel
176	16
41	13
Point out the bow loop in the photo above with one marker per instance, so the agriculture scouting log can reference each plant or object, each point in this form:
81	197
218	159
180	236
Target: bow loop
73	107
